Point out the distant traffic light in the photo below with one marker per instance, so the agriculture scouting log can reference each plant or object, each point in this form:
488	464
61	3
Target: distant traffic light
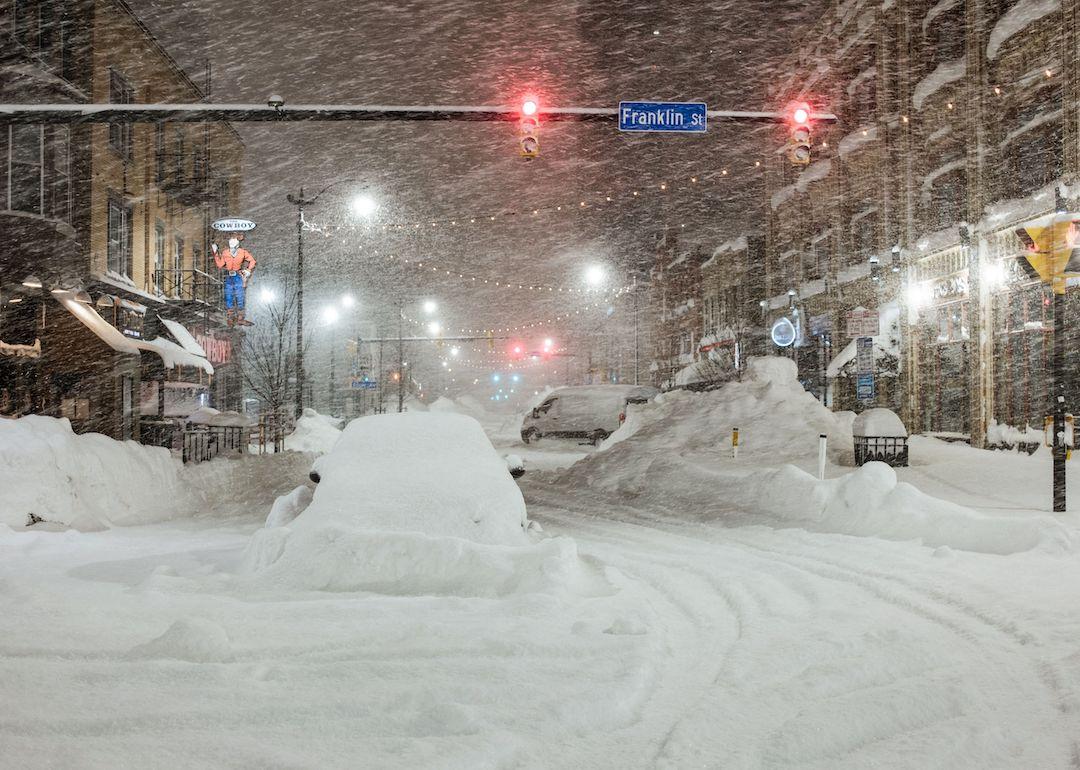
529	128
798	145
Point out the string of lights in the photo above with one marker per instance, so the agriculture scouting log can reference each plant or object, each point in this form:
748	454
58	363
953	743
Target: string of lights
591	202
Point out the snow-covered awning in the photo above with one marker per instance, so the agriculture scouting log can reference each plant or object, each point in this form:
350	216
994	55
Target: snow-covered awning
184	337
847	355
172	355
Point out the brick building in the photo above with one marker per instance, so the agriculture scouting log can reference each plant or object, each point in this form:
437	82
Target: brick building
957	124
109	305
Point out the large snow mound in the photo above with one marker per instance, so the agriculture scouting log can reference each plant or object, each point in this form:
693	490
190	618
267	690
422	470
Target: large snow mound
86	481
315	433
678	459
410	503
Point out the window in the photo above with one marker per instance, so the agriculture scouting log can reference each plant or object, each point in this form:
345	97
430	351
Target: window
60	174
863	237
159	255
27	23
119	237
223	198
178	150
178	267
26	169
947	199
159	152
120	92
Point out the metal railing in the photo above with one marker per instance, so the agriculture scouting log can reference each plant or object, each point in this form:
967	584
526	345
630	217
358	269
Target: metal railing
202	444
191	285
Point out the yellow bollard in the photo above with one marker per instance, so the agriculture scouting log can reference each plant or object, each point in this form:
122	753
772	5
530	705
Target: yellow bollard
734	442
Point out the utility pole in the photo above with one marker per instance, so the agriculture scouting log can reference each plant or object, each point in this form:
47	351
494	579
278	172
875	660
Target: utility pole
401	356
299	202
1058	364
330	389
637	347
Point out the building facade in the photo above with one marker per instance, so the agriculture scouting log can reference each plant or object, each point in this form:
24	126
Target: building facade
109	224
957	123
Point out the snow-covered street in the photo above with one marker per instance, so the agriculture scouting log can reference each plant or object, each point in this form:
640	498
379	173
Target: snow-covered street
693	644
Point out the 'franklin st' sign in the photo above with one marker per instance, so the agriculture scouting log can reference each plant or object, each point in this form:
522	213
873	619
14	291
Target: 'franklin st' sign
663	116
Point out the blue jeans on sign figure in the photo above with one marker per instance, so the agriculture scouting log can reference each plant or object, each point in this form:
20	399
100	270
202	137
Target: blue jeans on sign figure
234	292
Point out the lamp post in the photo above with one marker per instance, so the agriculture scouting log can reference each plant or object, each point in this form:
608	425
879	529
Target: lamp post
365	206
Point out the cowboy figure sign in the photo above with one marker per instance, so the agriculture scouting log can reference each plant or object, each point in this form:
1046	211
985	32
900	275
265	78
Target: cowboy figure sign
237	265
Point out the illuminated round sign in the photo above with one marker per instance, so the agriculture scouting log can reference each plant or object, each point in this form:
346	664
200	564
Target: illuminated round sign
233	225
783	332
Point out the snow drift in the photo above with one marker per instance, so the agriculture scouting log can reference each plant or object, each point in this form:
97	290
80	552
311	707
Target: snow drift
412	503
88	481
676	456
314	433
51	476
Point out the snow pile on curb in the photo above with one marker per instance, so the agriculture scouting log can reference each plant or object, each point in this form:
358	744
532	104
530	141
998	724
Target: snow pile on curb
87	481
677	457
412	503
314	433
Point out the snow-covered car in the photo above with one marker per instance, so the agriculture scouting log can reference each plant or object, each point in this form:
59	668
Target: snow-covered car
587	411
402	472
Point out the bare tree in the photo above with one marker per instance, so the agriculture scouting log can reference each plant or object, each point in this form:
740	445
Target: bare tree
268	352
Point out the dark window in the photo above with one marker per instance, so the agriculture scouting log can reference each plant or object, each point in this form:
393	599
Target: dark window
178	150
159	255
120	92
60	173
178	267
159	152
119	237
947	199
863	237
27	23
26	168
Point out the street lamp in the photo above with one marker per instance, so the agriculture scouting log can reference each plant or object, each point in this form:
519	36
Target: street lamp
430	306
300	201
594	276
267	295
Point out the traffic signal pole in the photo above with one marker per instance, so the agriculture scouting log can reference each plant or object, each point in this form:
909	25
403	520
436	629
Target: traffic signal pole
1058	364
277	111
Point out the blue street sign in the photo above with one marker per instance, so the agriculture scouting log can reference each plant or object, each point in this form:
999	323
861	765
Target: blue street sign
663	116
864	387
363	384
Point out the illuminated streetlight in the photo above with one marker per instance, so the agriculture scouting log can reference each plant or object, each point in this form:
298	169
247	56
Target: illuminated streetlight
434	328
455	351
348	301
430	306
267	295
594	275
330	315
364	205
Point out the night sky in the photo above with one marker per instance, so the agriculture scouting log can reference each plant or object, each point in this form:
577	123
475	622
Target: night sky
585	54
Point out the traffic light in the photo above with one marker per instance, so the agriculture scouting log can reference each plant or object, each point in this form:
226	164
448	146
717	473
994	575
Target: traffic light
529	128
798	145
1052	249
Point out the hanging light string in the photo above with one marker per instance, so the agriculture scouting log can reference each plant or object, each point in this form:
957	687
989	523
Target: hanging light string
568	315
475	280
590	203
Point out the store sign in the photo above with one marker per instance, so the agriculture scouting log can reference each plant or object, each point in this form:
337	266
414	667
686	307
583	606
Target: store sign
953	287
233	225
783	332
863	323
218	349
864	387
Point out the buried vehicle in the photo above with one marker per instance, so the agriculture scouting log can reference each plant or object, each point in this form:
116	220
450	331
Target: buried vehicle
586	411
433	473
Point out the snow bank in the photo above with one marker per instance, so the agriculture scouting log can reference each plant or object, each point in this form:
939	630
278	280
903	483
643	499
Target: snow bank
87	481
676	457
314	433
412	503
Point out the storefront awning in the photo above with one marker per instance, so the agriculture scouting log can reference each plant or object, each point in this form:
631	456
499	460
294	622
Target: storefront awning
184	337
171	354
847	355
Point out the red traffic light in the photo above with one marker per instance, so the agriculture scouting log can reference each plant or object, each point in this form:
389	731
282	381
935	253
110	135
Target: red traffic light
529	106
801	115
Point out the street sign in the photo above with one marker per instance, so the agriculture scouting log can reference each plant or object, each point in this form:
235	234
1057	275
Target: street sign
362	383
820	324
864	355
863	323
663	116
864	387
